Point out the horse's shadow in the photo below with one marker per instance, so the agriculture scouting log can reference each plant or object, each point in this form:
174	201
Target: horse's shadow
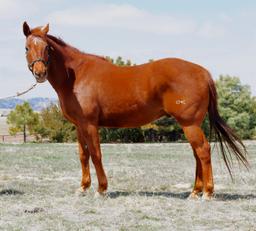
181	195
177	195
10	191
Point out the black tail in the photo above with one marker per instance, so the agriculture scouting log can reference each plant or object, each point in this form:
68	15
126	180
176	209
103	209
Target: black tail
229	142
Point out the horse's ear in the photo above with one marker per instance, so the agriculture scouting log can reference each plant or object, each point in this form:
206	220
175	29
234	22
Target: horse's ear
26	29
45	28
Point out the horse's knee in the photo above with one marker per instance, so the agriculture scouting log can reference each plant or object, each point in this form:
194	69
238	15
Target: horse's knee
84	158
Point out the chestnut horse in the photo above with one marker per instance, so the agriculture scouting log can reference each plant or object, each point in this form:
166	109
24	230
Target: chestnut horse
93	93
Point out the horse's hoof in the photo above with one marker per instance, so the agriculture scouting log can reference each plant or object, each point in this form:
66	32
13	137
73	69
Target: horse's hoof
207	197
102	195
193	196
81	192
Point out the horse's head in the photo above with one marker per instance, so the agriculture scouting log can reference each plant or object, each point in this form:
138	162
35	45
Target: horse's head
37	51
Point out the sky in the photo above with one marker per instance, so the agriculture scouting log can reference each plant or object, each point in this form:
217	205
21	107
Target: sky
219	35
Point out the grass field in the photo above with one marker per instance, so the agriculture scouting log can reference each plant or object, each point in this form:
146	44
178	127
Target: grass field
148	189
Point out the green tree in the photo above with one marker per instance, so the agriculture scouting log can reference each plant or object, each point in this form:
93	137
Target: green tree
126	135
168	129
55	127
237	106
120	62
23	119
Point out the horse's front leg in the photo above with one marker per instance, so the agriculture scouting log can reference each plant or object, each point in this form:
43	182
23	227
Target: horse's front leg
93	143
84	159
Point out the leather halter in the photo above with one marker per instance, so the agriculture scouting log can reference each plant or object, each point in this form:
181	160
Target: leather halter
46	63
31	65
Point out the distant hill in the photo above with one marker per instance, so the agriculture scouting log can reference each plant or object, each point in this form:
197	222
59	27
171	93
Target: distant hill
37	103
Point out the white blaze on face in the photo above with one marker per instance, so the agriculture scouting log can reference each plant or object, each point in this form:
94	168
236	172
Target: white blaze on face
37	40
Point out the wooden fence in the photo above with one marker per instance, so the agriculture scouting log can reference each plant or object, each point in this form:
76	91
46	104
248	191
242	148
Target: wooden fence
15	139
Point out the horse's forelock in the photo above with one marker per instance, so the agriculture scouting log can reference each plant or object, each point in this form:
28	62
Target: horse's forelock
37	32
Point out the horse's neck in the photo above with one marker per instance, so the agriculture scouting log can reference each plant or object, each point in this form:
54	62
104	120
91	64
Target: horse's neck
59	71
64	61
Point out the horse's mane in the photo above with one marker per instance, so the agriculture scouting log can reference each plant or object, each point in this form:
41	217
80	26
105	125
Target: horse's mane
62	43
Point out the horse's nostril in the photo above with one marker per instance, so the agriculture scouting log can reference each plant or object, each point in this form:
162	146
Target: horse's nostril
40	74
43	74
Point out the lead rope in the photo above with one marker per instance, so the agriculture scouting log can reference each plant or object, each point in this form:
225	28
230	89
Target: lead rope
20	93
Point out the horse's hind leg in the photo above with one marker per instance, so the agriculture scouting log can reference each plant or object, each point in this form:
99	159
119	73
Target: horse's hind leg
198	185
202	154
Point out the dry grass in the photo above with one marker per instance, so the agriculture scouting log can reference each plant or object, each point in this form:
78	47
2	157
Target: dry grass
148	189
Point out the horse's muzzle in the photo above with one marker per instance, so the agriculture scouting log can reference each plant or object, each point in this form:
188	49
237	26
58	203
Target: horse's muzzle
39	69
40	77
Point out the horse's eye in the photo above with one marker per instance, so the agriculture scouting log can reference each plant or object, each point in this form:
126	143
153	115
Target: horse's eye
26	49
